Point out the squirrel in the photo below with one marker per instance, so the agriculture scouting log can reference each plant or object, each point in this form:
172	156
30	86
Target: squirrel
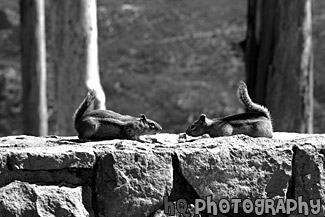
97	125
256	123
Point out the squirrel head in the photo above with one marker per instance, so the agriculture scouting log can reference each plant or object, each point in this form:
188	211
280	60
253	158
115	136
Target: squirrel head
149	126
198	127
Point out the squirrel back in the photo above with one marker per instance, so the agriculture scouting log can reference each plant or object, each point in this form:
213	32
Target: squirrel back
244	98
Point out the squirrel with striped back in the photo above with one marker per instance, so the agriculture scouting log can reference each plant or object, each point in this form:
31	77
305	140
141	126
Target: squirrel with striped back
106	124
255	123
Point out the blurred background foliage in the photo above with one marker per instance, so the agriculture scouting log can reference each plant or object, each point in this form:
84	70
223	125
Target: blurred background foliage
169	59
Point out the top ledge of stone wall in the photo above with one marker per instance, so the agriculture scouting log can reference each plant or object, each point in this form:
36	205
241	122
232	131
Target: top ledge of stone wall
160	141
67	152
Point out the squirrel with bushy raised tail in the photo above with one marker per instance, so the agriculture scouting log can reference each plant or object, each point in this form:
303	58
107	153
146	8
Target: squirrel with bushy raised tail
106	124
256	123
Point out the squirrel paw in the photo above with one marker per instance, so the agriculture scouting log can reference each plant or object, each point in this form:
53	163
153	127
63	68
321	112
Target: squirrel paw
84	140
149	140
205	136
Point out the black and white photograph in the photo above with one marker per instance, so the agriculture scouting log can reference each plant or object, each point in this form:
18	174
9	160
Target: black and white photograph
162	108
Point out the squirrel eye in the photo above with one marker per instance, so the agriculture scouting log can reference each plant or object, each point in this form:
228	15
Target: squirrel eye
193	127
152	125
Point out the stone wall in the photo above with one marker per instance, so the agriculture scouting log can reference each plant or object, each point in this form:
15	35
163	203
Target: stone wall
57	176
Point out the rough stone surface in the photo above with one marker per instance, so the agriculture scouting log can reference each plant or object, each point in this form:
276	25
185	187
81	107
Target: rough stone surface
308	181
24	199
246	169
132	184
58	176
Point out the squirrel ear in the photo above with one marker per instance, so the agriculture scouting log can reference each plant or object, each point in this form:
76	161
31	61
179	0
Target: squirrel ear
142	117
202	117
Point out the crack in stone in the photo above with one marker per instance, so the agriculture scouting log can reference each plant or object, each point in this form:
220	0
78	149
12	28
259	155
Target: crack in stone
182	189
292	186
69	177
94	200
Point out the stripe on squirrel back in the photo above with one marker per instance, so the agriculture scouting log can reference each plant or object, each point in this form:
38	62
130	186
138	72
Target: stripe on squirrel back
245	99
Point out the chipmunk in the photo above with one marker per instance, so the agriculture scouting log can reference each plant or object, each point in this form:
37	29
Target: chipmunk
107	124
256	123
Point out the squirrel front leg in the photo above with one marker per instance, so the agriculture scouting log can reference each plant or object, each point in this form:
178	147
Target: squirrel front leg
86	129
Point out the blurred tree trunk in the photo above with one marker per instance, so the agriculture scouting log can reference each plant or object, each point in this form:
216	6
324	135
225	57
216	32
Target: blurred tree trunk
74	49
279	61
33	66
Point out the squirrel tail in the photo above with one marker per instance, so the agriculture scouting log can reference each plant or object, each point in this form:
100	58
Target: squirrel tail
86	103
248	103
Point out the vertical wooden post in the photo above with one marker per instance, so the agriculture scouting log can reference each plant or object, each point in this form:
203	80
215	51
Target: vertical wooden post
33	65
279	61
74	49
